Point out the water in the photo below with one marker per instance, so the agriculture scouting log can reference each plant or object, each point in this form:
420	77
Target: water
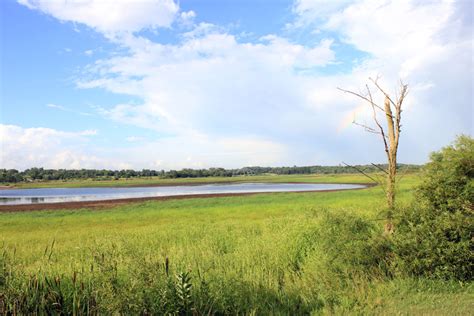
57	195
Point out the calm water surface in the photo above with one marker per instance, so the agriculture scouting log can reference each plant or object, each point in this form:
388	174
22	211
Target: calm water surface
56	195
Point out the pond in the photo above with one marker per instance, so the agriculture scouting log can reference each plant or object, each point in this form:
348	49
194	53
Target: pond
58	195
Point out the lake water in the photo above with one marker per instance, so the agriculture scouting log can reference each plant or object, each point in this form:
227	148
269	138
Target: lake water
56	195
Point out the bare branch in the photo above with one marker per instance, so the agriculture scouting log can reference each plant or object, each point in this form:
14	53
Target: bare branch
367	128
382	90
380	168
365	174
402	175
400	99
382	132
362	97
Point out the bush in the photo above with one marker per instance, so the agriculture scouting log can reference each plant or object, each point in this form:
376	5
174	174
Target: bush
434	236
448	183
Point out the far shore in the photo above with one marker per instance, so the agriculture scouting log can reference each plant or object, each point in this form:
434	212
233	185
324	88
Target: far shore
156	182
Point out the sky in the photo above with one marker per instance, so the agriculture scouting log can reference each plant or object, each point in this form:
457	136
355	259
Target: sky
165	84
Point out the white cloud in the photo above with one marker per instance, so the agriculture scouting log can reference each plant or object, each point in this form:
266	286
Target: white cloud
188	14
66	109
55	106
110	17
46	147
187	18
22	148
211	83
311	12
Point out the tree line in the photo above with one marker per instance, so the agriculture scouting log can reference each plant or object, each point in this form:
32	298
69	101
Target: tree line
41	174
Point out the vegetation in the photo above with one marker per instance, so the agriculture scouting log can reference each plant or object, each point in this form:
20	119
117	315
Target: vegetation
263	254
40	174
435	234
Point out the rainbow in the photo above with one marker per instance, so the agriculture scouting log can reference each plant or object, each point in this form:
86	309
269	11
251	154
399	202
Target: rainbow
350	117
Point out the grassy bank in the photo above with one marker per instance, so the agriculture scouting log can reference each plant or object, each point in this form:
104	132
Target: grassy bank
282	253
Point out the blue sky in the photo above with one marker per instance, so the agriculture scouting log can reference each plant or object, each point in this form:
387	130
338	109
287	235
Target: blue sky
163	84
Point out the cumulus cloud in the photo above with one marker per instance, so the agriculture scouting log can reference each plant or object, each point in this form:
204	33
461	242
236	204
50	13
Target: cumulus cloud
312	12
110	17
26	147
187	17
212	83
22	148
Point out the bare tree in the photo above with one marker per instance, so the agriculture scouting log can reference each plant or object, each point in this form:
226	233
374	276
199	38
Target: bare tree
390	134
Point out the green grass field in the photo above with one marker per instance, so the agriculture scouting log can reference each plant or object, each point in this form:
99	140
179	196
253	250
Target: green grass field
258	254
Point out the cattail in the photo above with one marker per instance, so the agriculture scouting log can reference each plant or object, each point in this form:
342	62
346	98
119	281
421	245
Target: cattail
74	277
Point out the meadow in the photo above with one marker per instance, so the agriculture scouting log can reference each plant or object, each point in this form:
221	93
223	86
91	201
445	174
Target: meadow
273	253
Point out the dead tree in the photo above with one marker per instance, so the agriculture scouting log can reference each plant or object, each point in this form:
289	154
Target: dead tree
390	134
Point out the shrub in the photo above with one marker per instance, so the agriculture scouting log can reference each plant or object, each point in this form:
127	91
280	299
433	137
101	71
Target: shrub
434	236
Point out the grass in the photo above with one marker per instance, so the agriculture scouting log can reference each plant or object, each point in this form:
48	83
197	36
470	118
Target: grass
279	253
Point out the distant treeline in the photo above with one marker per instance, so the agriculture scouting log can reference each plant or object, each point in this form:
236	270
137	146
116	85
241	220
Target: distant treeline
40	174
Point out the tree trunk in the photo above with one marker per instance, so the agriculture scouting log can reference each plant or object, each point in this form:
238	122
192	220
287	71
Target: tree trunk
392	171
392	166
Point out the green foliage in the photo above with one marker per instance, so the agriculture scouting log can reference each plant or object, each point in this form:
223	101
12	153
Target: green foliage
434	236
448	183
183	292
